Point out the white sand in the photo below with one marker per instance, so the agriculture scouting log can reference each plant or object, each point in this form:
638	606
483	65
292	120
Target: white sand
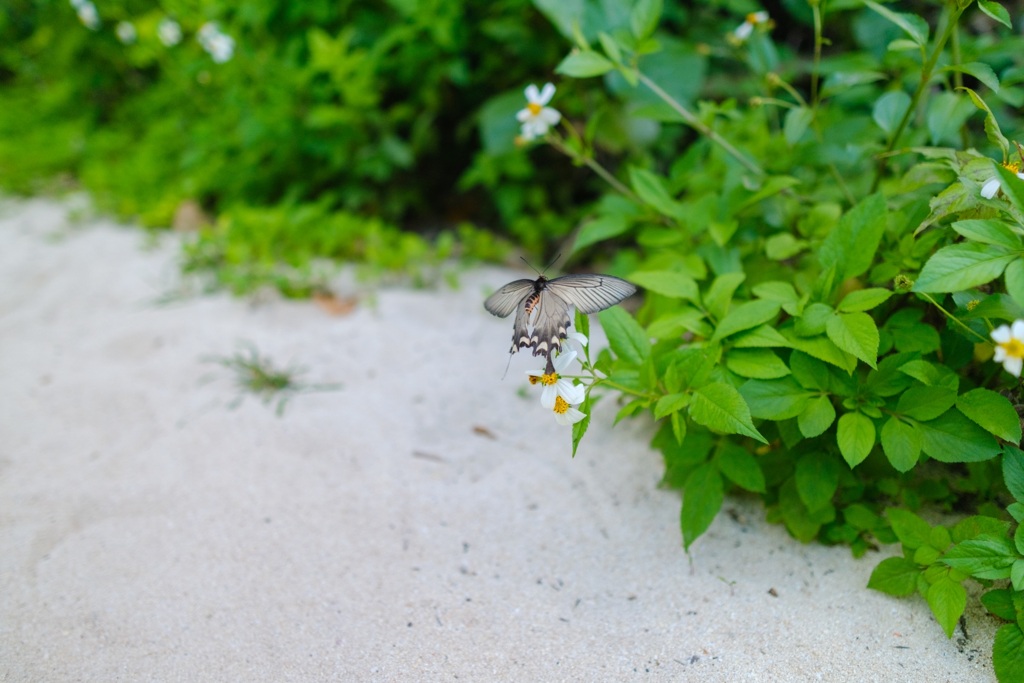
150	533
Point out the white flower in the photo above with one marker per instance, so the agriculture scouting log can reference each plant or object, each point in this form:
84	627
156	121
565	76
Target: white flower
126	32
220	45
1010	347
565	414
537	118
169	32
88	15
744	30
577	340
556	387
992	185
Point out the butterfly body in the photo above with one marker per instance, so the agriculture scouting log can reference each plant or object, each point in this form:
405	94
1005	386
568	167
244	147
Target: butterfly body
543	306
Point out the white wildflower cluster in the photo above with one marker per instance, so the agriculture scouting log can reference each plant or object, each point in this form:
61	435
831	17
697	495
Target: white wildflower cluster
126	32
87	14
218	44
560	394
537	118
169	32
992	186
746	29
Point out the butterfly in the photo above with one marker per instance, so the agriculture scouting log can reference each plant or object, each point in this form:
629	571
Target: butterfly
542	306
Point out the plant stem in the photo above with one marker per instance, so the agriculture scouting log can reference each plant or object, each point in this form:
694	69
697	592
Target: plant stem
590	163
953	318
691	120
816	11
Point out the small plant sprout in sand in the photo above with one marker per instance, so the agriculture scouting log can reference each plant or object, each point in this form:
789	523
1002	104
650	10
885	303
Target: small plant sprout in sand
255	374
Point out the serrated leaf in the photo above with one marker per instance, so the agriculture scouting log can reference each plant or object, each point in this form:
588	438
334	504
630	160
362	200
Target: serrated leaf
855	435
821	348
746	316
703	494
1014	278
863	300
926	403
988	232
579	429
999	13
600	229
998	602
992	131
992	412
914	26
947	599
669	404
718	406
740	467
797	121
912	531
720	293
650	187
962	266
855	333
817	478
644	18
764	336
1013	471
901	443
625	335
755	363
1008	650
817	417
985	557
851	246
983	72
895	576
953	438
584	64
889	110
667	283
778	399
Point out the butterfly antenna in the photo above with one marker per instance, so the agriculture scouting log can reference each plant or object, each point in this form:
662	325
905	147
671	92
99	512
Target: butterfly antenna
530	265
553	261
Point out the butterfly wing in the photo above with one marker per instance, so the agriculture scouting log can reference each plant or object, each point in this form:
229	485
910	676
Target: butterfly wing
505	300
550	324
591	293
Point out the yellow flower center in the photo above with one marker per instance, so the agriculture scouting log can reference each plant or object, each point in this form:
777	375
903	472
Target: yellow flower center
1012	166
560	405
752	18
534	379
1013	348
549	378
534	108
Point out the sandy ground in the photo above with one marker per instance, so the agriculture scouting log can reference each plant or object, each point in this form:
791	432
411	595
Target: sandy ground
150	532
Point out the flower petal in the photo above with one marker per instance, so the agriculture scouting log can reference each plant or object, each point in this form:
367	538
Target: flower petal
744	30
989	189
1011	365
999	355
549	116
532	94
546	94
548	394
1001	334
1017	329
563	360
572	393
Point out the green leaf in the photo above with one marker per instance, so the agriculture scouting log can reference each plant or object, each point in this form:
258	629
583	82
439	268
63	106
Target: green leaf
926	403
600	229
947	599
821	348
895	576
962	266
625	335
718	406
983	72
755	363
856	437
669	404
740	467
746	316
901	443
798	120
580	428
889	110
992	412
651	189
817	417
644	18
814	319
703	494
1008	648
778	399
585	64
719	294
851	246
999	13
998	602
985	557
989	232
912	531
668	283
783	246
1013	471
610	47
992	131
954	438
863	300
855	333
1013	187
1014	278
817	478
764	336
913	25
